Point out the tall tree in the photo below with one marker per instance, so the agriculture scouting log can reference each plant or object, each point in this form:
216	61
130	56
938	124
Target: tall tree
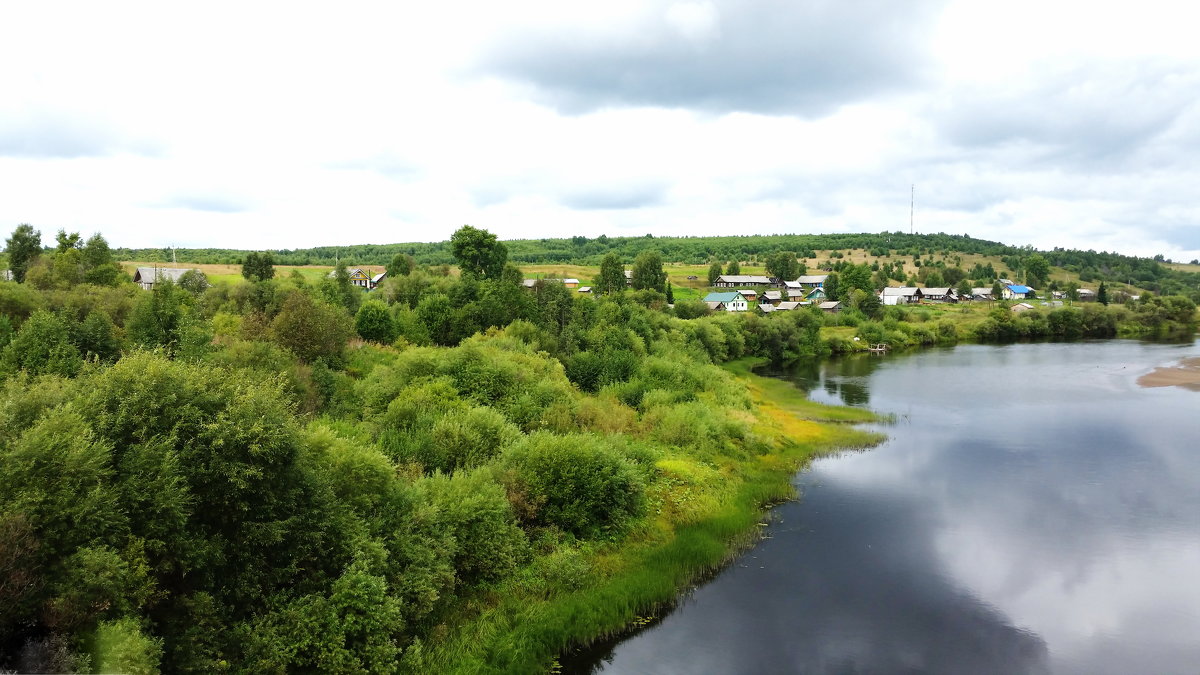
98	265
648	271
401	266
1037	270
612	274
997	290
782	265
1102	294
714	273
478	252
258	266
733	268
23	246
670	294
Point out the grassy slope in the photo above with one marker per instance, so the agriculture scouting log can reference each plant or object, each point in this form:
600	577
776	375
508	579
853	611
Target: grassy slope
524	631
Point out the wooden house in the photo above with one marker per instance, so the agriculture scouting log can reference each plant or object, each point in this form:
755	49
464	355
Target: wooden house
146	276
831	306
751	296
938	294
734	280
731	302
1015	291
773	297
900	295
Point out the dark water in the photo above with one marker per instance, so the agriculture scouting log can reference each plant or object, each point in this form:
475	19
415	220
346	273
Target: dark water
1033	511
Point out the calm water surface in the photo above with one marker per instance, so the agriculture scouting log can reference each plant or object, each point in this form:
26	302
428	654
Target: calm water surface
1033	511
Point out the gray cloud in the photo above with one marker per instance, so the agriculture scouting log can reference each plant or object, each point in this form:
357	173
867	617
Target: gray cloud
1098	116
631	197
53	136
802	59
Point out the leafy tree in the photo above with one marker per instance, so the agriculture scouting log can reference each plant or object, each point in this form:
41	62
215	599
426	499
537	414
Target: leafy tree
612	274
402	265
99	267
96	337
833	286
714	273
733	268
997	290
1037	270
159	316
478	252
648	271
23	246
194	282
311	330
258	266
339	290
373	322
42	345
963	289
783	265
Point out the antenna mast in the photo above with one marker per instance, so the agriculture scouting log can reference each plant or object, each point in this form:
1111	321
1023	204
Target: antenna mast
912	200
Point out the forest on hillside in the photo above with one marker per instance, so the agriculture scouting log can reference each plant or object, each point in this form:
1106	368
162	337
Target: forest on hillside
1147	273
279	475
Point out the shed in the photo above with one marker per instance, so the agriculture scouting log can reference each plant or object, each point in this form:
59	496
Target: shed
1021	307
832	306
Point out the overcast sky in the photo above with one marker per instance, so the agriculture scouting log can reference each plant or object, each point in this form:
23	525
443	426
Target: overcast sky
250	125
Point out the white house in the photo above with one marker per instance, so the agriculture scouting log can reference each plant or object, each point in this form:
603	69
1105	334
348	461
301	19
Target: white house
732	302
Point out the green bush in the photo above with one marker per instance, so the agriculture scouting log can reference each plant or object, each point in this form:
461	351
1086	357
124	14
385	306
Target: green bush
474	509
578	483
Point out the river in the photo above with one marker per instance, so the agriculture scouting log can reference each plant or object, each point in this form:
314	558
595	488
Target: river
1033	511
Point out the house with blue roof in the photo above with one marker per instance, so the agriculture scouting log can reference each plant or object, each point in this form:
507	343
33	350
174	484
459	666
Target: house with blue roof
732	301
1014	291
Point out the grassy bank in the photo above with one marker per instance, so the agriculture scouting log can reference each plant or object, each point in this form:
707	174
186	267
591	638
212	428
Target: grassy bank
522	626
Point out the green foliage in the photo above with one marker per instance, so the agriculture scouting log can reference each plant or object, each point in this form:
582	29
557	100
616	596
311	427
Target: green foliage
120	646
373	322
310	329
648	271
733	268
99	267
258	266
194	282
159	317
23	246
612	275
577	483
783	265
401	265
478	252
714	273
474	509
43	345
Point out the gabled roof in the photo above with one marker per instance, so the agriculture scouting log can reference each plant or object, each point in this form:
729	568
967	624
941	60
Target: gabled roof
152	274
1017	288
936	291
830	304
773	295
585	289
981	291
903	291
785	306
724	297
714	305
747	279
378	277
570	281
812	279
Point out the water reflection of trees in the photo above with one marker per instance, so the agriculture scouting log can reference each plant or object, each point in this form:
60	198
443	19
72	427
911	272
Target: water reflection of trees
845	378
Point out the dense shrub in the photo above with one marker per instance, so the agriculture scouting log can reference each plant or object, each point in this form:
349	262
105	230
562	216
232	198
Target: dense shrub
577	483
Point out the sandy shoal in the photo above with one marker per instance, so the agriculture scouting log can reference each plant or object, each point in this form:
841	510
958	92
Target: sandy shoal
1186	374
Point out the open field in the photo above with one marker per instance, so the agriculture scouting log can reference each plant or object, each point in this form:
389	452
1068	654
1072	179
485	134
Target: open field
233	273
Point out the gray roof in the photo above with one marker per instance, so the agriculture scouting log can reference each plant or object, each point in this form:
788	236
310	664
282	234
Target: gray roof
747	279
830	304
378	277
585	289
149	275
765	308
901	290
789	305
937	291
714	305
773	295
981	291
812	279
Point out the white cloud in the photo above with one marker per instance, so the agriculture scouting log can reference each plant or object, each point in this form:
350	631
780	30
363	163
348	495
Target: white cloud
287	125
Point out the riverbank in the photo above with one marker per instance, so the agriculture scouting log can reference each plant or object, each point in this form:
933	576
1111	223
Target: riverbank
522	627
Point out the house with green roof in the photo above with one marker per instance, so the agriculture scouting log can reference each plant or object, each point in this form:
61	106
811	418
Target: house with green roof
732	301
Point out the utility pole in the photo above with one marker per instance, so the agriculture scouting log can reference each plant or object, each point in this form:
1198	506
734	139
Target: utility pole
912	201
